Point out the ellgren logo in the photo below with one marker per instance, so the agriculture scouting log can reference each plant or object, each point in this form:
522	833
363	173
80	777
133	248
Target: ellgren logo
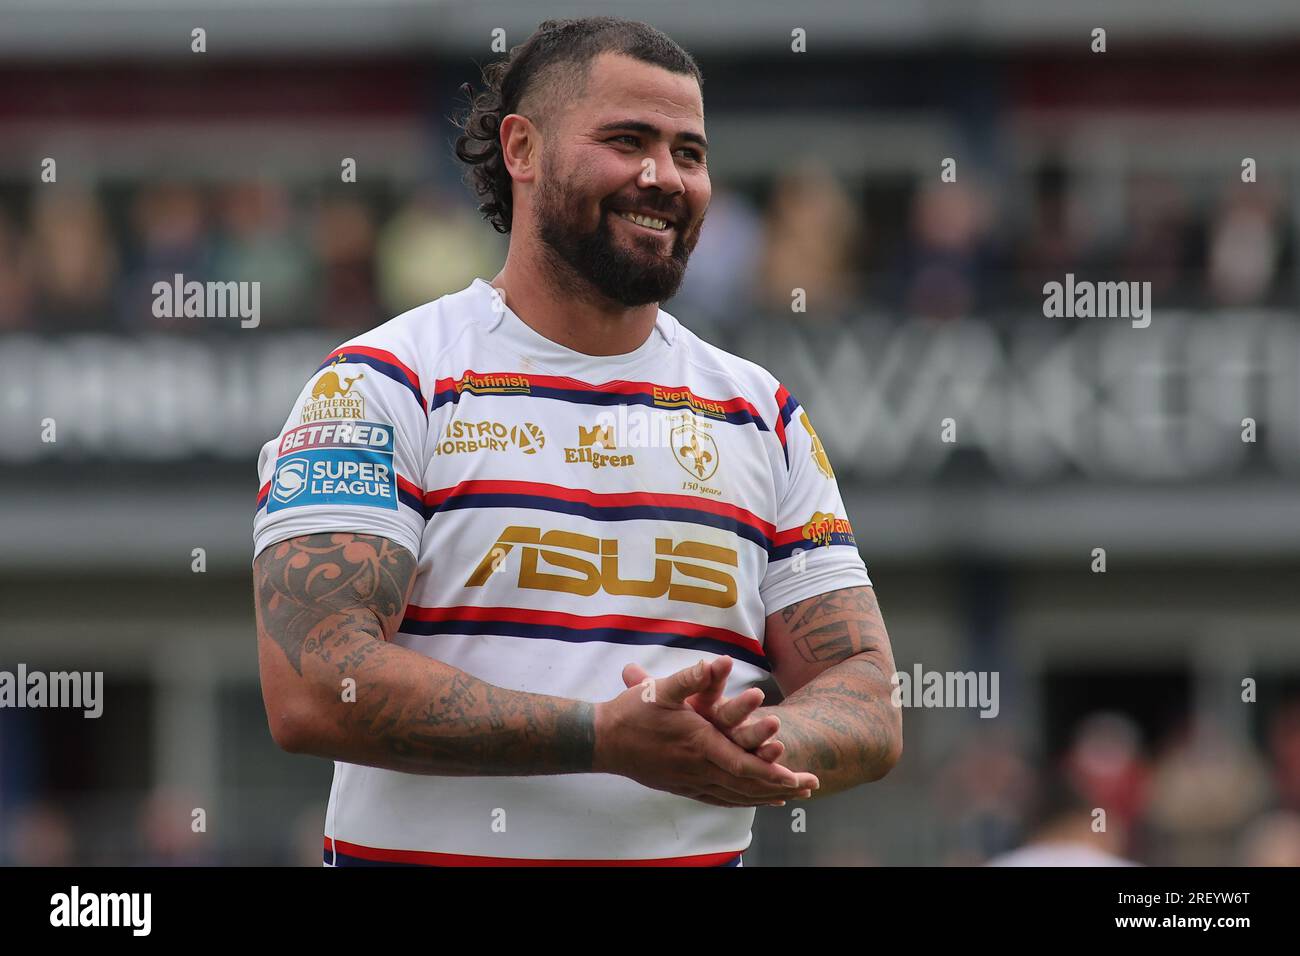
290	479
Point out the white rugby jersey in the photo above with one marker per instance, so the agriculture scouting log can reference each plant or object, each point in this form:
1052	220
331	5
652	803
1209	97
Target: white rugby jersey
570	514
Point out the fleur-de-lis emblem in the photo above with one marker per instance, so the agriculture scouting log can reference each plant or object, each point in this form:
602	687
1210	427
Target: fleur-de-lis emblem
696	451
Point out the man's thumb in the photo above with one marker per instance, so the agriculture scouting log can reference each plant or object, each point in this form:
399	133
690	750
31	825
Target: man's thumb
634	674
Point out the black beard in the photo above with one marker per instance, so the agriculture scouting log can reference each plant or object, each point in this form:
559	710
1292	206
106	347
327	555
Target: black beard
626	278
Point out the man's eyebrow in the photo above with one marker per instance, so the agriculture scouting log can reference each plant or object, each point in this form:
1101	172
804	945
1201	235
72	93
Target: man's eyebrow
651	130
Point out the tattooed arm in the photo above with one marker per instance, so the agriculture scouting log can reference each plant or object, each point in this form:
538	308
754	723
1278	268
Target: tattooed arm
326	606
832	659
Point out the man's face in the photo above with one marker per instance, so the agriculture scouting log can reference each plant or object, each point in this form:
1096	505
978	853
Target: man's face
632	145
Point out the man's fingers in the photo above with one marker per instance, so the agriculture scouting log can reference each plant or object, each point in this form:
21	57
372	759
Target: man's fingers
732	710
736	762
719	669
772	750
675	688
755	732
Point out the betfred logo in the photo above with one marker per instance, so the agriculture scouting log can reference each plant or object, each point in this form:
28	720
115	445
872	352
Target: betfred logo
674	566
375	435
823	526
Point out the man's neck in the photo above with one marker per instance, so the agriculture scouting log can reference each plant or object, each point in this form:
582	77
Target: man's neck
591	324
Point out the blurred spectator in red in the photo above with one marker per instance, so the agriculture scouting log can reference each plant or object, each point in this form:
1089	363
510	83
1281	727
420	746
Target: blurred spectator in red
75	260
1244	245
16	267
1106	766
260	242
1284	749
436	244
721	283
344	240
810	232
169	237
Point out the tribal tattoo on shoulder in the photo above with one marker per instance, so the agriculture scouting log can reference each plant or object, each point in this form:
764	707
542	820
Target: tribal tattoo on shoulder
311	589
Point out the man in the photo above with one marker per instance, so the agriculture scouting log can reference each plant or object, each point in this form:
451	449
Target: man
523	553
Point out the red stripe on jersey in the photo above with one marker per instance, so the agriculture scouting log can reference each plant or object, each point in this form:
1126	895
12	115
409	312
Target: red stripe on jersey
487	486
581	622
380	354
618	387
429	858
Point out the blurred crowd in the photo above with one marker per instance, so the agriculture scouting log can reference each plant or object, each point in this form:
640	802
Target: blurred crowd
1191	799
75	258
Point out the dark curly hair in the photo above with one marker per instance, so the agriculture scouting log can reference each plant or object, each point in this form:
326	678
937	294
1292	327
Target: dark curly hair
549	69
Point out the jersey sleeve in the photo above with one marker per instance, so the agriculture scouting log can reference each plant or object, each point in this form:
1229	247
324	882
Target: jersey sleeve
814	550
349	457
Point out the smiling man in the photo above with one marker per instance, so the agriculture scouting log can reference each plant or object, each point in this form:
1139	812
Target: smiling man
524	597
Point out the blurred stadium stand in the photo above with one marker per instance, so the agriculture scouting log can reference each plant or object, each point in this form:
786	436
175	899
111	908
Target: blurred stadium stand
924	303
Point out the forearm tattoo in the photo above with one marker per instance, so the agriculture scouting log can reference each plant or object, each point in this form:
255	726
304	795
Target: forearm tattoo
841	725
328	601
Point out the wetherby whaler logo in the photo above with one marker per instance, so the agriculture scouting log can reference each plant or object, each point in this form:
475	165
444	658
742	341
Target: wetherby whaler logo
332	395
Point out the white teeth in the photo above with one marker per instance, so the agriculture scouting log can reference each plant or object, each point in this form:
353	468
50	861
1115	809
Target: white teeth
644	220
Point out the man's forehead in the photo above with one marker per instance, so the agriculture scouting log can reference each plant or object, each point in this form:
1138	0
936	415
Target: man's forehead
620	85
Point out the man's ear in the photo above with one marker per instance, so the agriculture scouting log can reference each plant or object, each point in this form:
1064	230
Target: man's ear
520	147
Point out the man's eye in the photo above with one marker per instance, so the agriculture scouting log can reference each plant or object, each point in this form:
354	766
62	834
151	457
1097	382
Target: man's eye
694	154
629	137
